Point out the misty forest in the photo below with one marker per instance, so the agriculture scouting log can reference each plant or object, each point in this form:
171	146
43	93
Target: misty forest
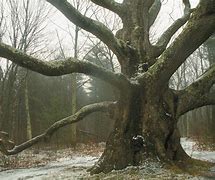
107	89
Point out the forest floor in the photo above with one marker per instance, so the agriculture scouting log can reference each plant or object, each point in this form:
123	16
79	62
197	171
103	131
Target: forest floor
72	163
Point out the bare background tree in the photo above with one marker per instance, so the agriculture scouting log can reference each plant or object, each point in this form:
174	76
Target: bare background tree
23	29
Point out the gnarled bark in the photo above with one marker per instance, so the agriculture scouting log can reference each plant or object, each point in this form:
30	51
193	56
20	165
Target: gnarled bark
144	130
198	93
61	67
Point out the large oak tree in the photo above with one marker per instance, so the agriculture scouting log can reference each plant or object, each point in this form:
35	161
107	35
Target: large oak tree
147	107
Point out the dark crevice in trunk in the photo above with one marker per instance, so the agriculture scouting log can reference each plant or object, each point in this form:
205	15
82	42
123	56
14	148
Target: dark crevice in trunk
166	145
127	146
123	146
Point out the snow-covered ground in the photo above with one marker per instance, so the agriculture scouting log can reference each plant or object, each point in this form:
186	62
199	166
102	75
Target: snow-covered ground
75	167
190	149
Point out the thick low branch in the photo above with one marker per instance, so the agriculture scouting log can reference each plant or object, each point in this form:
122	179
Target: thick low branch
198	93
95	27
112	5
199	29
167	35
62	67
194	102
86	110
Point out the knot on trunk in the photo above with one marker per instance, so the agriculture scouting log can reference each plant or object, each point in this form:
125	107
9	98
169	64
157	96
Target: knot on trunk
138	143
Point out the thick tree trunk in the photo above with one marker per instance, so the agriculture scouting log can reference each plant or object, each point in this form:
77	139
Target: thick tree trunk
143	130
119	151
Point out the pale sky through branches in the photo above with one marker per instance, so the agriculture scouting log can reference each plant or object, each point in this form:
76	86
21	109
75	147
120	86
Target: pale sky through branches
57	23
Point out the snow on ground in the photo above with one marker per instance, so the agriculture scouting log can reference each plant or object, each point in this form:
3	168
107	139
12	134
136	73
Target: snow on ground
190	149
78	164
75	166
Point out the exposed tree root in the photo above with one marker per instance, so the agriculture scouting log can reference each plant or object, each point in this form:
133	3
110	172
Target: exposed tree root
191	166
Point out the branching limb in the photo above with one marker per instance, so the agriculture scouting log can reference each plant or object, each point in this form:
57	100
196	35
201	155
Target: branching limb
153	12
112	5
62	67
198	93
199	29
167	35
95	27
143	12
86	110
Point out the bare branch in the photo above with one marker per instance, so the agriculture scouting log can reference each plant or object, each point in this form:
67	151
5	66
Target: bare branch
198	93
62	67
167	35
111	5
95	27
86	110
153	12
199	29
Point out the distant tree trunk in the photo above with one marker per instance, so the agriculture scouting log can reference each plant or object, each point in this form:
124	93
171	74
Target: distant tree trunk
8	99
74	88
74	108
27	109
24	29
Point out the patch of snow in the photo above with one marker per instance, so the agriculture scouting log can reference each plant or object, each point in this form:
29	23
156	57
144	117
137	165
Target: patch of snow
77	161
187	144
72	166
189	147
